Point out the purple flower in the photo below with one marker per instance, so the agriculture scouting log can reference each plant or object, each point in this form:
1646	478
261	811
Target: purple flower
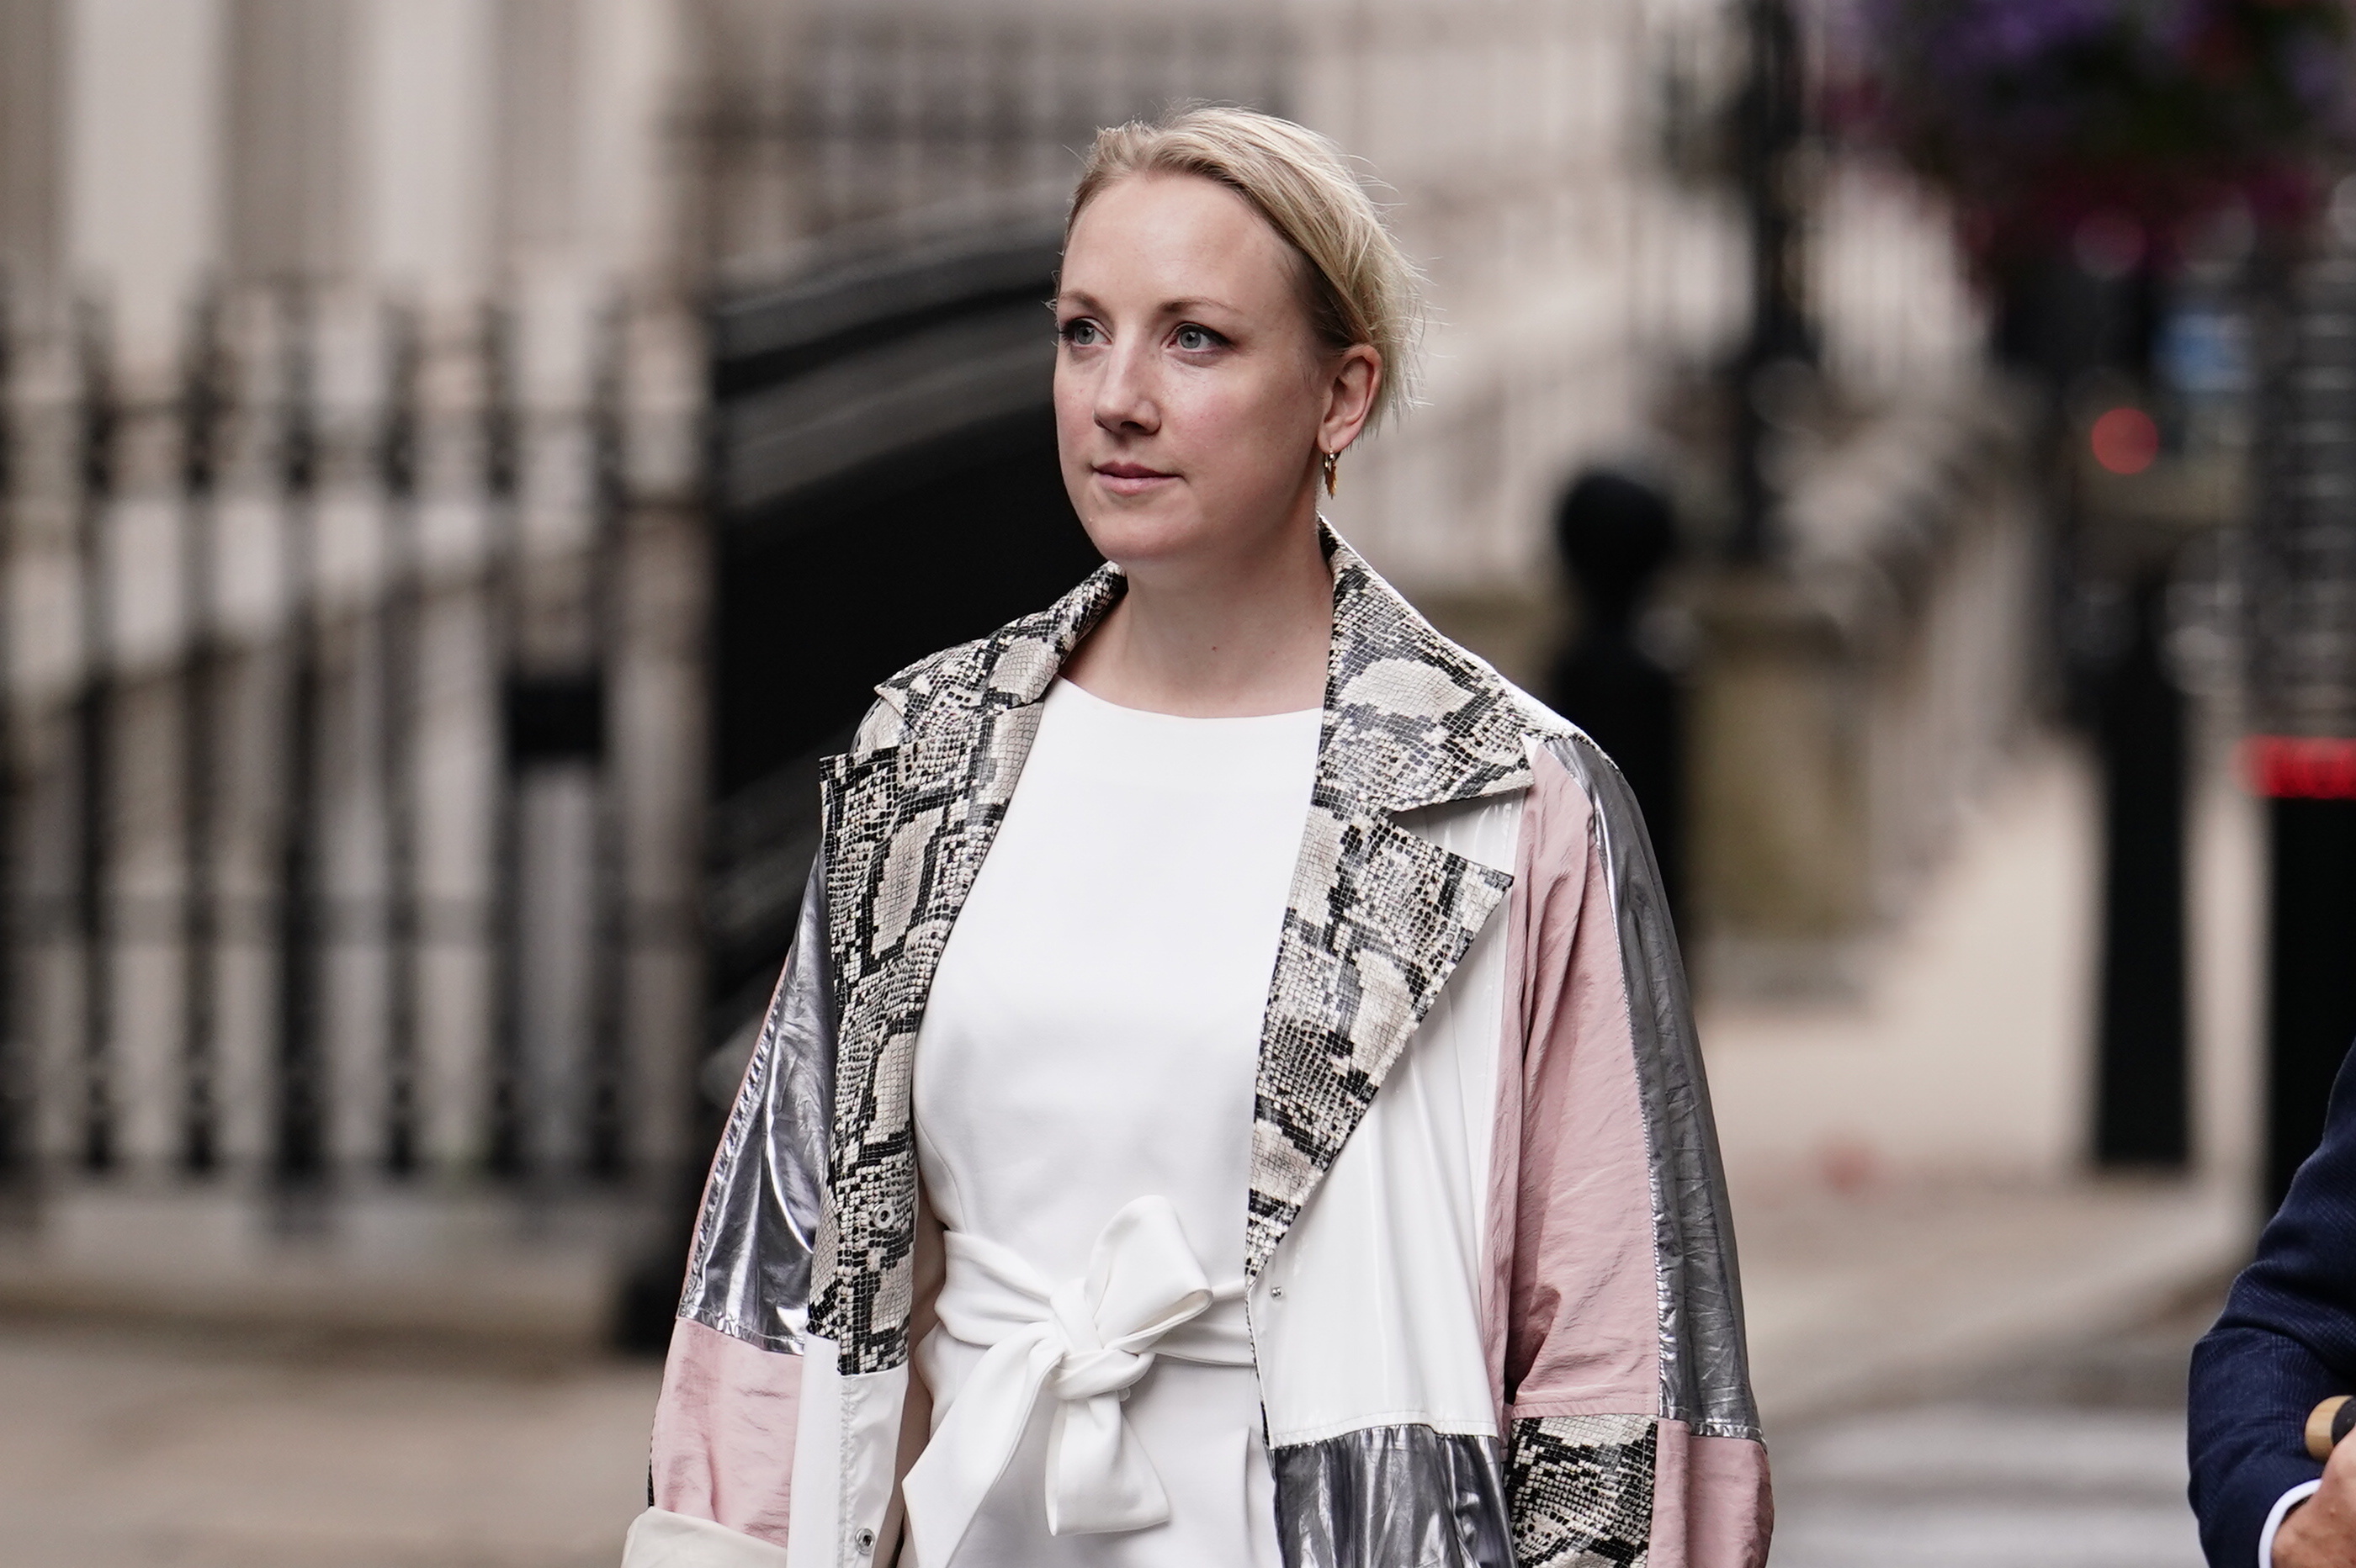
2033	110
2001	32
1966	38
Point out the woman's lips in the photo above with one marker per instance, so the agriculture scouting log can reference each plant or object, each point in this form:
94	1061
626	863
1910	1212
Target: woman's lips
1130	478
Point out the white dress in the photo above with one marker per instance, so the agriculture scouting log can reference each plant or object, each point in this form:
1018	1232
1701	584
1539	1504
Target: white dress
1083	1086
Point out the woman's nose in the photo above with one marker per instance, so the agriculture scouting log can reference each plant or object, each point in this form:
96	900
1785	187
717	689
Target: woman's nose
1125	396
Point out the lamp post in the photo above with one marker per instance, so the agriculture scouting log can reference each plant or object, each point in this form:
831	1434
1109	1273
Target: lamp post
1771	121
2302	626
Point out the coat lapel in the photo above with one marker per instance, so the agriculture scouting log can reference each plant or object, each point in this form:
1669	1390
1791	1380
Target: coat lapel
908	815
1379	917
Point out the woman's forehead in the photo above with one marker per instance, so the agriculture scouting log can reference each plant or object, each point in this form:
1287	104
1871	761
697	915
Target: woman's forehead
1160	241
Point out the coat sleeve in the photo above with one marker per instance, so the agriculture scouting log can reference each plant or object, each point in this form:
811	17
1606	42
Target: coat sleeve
720	1488
2285	1341
1617	1327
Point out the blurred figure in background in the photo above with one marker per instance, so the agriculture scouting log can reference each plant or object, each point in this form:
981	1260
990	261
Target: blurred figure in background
1616	534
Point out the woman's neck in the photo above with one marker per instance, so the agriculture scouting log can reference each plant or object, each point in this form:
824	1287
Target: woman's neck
1231	639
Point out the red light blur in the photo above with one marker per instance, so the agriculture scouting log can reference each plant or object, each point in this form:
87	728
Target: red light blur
2301	767
2126	441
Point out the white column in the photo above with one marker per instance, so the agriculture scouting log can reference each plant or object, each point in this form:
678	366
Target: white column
661	739
251	586
428	162
31	43
632	69
426	140
144	119
589	157
636	64
459	754
290	127
144	123
346	537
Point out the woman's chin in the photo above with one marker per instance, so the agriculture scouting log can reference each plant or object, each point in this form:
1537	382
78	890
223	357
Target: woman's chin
1131	534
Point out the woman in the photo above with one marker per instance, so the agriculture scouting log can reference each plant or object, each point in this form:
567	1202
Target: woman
1049	1229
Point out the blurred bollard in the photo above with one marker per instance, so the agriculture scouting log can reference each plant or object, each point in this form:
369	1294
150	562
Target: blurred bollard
2310	973
1783	829
2142	1100
1615	536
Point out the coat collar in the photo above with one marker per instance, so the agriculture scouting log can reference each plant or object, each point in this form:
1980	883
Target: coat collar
1411	719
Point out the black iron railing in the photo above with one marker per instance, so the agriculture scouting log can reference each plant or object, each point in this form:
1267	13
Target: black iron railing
314	855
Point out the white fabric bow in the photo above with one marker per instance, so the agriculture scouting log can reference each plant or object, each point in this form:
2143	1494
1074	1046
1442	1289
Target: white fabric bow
1085	1341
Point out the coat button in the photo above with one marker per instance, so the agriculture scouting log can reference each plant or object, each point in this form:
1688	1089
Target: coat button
865	1541
1276	1293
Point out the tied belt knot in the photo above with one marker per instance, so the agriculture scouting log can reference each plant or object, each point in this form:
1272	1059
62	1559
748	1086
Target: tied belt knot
1085	1343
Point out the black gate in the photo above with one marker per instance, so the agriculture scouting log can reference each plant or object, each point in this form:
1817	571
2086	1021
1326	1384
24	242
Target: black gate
314	872
885	485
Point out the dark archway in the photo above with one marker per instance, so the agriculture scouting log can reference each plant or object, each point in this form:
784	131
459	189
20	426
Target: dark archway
885	485
882	482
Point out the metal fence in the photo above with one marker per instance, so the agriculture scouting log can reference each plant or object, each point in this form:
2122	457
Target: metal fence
347	828
846	113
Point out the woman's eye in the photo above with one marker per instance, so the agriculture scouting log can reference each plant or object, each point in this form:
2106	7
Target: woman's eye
1081	332
1196	339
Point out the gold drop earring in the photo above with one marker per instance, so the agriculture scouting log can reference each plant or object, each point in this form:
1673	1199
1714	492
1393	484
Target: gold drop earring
1333	472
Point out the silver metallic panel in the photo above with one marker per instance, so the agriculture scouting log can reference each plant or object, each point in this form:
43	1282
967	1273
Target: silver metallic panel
1704	1366
749	1275
1391	1496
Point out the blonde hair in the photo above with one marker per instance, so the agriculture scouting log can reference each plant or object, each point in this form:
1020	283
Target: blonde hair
1360	286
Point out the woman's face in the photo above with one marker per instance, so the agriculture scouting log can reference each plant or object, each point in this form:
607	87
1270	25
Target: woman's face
1192	397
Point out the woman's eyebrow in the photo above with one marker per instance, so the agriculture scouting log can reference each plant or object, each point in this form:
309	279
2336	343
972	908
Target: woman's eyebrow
1191	306
1080	299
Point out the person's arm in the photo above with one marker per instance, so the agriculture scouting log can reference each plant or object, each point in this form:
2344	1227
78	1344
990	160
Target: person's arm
1629	1423
2270	1539
719	1489
2286	1341
2251	1387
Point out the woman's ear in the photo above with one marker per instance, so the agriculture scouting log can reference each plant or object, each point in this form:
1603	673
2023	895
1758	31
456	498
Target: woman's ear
1357	377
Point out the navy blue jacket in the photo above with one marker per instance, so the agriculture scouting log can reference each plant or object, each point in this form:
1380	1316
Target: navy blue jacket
2286	1340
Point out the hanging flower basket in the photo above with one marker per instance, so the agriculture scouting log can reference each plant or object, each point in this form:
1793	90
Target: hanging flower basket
2037	115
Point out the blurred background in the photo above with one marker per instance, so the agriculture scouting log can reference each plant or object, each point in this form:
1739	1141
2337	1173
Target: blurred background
463	462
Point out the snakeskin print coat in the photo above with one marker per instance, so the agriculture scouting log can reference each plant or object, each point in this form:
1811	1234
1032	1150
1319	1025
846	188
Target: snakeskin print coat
1616	1426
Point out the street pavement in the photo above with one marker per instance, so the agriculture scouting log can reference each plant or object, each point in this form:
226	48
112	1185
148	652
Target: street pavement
2073	1457
202	1451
